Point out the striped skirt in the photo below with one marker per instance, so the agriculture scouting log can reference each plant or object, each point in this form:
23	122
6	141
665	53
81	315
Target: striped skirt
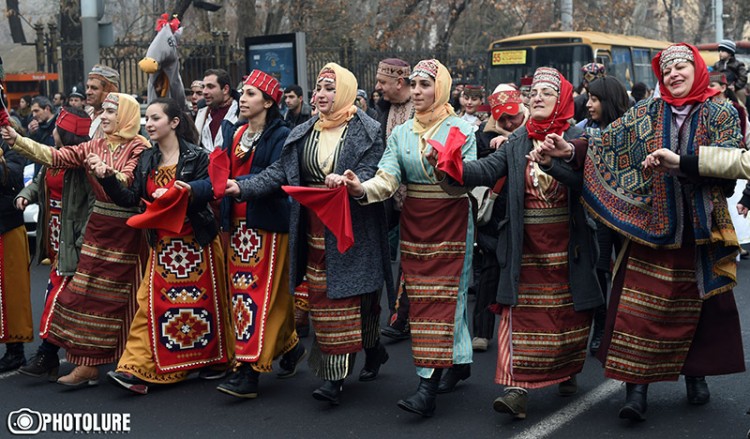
434	252
542	339
92	316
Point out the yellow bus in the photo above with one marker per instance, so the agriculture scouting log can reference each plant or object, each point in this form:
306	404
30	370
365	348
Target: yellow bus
626	57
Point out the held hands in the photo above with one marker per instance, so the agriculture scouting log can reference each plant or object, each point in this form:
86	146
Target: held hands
233	189
9	135
98	167
22	202
334	180
553	146
662	160
352	183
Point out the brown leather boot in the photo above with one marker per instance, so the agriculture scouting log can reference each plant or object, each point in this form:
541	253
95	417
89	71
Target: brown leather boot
81	376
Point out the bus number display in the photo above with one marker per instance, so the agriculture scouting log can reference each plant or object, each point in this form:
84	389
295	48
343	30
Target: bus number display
507	57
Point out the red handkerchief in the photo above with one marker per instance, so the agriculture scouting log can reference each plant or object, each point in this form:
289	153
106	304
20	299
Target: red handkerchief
332	207
450	160
165	213
218	171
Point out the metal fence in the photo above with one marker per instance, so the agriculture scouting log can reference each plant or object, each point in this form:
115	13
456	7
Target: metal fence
197	57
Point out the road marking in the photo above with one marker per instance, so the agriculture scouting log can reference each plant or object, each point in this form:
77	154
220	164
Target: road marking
557	420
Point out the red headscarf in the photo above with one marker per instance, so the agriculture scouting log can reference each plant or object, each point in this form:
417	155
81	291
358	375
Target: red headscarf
700	91
557	122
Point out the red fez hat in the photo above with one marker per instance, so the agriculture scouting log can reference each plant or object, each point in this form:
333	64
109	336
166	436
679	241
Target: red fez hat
73	124
506	102
265	83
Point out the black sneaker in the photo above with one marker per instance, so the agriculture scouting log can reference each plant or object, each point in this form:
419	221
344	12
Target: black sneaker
291	360
41	364
128	381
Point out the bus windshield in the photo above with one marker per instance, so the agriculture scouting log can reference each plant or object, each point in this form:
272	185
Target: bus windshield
510	65
568	60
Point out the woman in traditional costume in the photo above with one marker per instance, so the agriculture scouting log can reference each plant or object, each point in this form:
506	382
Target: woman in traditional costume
258	250
672	311
343	283
437	234
93	313
16	327
66	200
546	251
182	321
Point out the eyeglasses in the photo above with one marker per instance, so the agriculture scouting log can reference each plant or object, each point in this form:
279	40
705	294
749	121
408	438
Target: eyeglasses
547	95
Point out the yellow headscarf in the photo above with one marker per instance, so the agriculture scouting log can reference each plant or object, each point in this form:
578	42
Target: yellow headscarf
343	104
440	109
128	118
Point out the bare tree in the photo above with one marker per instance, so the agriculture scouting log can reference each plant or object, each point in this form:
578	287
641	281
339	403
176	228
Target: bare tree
669	11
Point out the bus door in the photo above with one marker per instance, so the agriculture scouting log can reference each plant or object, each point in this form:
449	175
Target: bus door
604	57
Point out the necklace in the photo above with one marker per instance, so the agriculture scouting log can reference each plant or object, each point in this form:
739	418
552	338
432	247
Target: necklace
249	139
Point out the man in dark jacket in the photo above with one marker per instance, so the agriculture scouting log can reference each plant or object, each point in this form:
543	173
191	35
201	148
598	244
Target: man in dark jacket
43	123
298	111
394	109
735	71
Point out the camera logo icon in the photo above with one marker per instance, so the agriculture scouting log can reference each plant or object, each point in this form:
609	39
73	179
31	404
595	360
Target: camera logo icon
24	422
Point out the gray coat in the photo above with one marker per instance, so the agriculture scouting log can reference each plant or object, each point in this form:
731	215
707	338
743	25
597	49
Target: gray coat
365	266
583	251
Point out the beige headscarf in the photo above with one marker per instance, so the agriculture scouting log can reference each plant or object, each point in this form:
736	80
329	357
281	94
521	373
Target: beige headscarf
440	109
343	104
128	118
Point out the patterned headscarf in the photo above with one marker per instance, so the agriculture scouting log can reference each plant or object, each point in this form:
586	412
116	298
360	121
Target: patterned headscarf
346	92
557	122
128	118
440	109
683	52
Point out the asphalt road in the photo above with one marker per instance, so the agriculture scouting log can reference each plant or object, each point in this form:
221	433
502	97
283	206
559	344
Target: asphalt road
285	408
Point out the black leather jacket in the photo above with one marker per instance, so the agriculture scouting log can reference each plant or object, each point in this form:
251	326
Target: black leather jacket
192	165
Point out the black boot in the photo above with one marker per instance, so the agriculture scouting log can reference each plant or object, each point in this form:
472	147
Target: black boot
374	358
423	402
635	402
600	316
330	392
291	360
458	372
43	363
242	383
697	390
13	358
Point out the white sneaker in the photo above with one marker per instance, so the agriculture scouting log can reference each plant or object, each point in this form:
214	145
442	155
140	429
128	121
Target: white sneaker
479	344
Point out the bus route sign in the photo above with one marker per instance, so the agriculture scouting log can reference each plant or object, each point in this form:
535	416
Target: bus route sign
506	57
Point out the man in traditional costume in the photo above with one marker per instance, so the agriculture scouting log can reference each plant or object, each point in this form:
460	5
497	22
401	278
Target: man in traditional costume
102	81
395	108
